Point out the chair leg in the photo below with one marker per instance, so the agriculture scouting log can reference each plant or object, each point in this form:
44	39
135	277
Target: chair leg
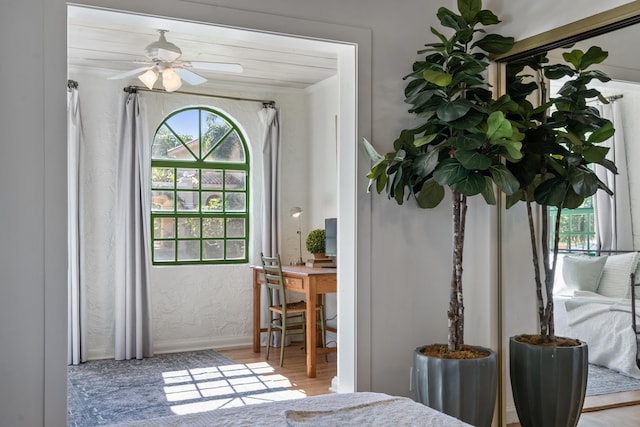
323	328
270	321
283	323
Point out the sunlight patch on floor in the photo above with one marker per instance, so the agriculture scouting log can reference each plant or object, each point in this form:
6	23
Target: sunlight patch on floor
216	387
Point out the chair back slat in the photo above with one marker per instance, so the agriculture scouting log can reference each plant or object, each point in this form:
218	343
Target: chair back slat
272	269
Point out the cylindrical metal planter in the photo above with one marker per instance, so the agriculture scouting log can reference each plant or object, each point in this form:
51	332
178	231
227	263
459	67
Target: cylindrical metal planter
548	383
463	388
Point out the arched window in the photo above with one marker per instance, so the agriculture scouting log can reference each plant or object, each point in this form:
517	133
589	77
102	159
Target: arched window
199	190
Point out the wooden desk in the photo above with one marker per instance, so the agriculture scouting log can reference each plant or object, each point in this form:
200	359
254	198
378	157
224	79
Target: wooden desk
310	281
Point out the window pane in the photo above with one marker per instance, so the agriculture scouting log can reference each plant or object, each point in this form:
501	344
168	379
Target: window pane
188	200
229	150
162	201
162	178
164	228
164	251
236	180
164	144
234	202
211	201
212	228
189	250
212	250
185	124
235	249
211	180
214	128
187	178
188	227
235	227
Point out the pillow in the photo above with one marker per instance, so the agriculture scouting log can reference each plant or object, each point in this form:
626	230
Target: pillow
582	273
616	274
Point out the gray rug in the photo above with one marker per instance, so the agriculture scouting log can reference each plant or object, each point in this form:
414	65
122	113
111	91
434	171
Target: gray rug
604	381
105	392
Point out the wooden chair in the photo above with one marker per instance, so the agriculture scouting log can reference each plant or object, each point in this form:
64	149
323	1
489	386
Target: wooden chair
291	317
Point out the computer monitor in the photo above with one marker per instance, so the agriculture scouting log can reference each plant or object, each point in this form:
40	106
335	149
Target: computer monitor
331	236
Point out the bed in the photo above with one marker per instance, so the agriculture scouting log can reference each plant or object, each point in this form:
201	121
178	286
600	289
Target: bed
336	410
595	304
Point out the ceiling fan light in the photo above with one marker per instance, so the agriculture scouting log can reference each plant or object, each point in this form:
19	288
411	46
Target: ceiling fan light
149	78
170	80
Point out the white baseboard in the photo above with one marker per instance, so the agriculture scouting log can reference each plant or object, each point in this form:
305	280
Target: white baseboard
195	344
188	344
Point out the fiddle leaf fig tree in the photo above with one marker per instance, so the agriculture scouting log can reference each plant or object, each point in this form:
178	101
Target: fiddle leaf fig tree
461	138
559	151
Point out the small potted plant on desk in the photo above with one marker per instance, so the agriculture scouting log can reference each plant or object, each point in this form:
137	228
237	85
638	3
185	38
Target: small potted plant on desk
460	144
549	373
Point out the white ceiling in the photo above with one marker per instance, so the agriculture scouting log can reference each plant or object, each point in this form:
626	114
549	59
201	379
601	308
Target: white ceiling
111	42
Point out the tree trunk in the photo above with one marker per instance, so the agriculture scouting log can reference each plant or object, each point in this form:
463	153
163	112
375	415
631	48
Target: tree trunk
456	303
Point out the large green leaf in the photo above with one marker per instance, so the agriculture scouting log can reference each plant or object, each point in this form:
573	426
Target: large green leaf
426	163
449	171
583	181
513	148
467	141
595	154
430	195
495	43
498	126
469	9
371	151
473	160
488	193
449	19
593	55
504	179
605	132
424	140
551	192
574	58
439	78
472	119
470	185
453	110
486	17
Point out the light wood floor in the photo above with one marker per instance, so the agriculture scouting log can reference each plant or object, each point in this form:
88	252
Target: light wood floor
294	369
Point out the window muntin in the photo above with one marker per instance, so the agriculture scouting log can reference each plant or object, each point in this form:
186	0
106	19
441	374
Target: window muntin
199	190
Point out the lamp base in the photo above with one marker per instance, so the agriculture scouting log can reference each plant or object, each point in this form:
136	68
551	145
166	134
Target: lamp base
297	262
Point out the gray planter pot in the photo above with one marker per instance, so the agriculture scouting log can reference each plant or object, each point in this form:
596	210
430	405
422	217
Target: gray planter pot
548	383
465	389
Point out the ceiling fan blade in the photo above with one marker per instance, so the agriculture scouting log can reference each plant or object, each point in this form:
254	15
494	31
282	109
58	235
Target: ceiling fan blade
130	73
189	76
216	66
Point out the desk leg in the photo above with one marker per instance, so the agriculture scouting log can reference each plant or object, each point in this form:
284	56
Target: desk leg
312	300
256	312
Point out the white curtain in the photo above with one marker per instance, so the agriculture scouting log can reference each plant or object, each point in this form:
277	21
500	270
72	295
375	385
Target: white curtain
76	306
613	214
271	158
132	243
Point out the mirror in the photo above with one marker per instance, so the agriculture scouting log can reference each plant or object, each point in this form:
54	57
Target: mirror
614	31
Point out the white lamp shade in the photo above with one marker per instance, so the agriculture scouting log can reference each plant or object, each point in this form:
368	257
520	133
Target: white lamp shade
170	80
149	78
295	211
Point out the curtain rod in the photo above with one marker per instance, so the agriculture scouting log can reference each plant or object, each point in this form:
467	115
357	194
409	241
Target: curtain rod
133	89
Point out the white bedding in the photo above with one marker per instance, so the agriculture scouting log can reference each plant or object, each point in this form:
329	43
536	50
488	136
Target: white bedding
604	324
335	410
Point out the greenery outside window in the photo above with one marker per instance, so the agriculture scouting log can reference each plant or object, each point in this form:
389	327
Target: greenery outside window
577	228
199	190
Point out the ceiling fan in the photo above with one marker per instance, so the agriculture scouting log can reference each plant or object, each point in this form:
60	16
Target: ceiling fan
163	59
